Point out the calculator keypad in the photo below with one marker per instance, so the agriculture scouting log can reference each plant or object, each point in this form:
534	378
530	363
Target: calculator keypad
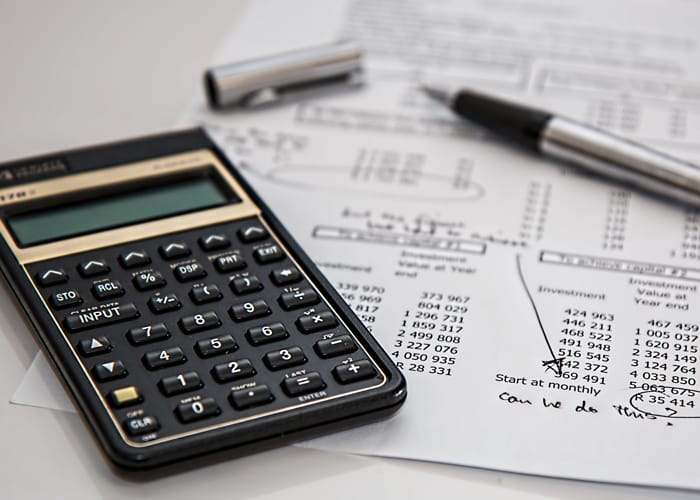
201	328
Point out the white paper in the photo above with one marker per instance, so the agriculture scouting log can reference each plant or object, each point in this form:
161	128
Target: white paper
512	290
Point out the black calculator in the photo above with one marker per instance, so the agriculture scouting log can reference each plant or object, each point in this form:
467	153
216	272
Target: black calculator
180	314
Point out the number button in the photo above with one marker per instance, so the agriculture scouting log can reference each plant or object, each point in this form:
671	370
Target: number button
336	346
249	310
189	271
160	359
110	370
177	384
148	280
174	250
245	284
205	293
197	410
148	333
66	298
267	333
134	259
215	346
267	254
106	289
254	396
298	298
199	322
284	358
233	370
161	303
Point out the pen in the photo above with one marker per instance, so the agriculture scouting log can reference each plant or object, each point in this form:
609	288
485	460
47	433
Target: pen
581	144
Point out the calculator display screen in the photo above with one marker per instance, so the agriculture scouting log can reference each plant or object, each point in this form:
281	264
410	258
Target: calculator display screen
118	209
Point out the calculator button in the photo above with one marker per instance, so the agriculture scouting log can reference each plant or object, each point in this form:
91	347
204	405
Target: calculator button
252	233
214	242
93	268
134	259
167	357
253	396
174	250
233	370
285	275
267	333
249	310
284	358
141	425
106	289
205	293
177	384
163	302
197	410
104	315
316	322
148	280
110	370
270	253
328	348
229	262
215	346
199	322
51	277
125	396
147	334
247	284
94	346
66	298
189	271
303	384
298	298
352	372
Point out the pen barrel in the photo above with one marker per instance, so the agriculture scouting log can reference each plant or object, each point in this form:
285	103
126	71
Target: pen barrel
621	159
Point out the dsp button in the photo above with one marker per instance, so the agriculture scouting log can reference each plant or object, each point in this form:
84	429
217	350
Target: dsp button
51	277
303	384
93	268
197	410
66	298
141	425
189	271
106	289
270	253
104	315
298	298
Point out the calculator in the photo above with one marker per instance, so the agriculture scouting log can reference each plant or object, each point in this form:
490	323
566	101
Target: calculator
178	311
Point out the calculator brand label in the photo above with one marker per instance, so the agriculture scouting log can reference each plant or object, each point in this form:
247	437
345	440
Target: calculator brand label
32	171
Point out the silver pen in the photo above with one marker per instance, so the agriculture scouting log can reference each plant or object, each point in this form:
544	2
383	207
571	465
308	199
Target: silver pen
593	149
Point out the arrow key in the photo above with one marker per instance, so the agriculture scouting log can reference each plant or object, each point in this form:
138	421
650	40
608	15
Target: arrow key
94	346
51	277
110	370
93	268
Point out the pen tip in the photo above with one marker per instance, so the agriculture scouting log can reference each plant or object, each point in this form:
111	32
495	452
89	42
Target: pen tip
437	92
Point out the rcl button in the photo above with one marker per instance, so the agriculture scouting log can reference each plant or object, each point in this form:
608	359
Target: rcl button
106	289
67	298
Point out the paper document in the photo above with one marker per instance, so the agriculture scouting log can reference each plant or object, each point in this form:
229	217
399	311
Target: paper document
547	321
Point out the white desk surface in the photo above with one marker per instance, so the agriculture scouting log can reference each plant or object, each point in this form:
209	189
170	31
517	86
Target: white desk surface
79	72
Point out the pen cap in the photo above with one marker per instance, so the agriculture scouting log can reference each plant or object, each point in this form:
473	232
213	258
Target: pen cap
270	79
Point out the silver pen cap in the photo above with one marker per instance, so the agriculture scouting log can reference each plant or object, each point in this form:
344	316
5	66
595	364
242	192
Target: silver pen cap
270	79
